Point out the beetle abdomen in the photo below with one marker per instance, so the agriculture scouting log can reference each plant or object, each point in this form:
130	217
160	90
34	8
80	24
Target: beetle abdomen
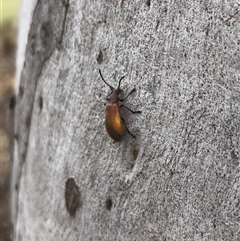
113	122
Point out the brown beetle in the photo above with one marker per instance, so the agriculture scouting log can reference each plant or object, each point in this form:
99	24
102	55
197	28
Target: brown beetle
114	123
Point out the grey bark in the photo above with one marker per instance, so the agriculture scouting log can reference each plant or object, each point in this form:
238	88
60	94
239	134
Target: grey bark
179	179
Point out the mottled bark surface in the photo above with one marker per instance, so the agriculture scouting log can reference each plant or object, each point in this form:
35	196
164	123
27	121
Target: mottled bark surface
179	179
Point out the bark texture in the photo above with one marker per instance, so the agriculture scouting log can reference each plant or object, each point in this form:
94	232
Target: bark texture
179	179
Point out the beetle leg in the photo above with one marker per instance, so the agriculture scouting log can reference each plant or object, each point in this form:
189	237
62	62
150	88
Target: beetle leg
134	112
127	95
127	128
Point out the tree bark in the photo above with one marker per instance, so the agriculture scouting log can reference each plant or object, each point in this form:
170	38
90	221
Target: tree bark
179	179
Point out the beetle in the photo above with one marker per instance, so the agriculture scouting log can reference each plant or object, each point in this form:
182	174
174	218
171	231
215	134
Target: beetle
114	122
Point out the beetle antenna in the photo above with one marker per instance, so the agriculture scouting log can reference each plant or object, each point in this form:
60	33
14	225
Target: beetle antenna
104	80
119	83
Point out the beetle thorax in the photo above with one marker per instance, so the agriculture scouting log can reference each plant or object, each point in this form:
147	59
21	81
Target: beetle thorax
114	96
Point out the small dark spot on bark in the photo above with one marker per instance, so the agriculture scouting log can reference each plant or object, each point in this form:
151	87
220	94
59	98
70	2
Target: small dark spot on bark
207	31
131	165
72	196
157	25
234	156
171	173
21	91
148	3
214	224
100	57
45	30
65	3
12	103
28	120
135	152
109	204
40	103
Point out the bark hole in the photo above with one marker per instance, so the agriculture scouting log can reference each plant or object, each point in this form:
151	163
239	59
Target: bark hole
72	196
12	102
40	103
109	204
100	57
